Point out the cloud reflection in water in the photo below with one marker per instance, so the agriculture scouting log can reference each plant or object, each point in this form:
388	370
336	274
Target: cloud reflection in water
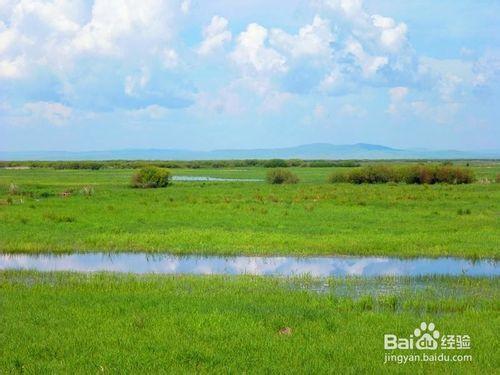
274	266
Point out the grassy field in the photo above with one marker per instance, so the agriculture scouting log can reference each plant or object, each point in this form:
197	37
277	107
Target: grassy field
309	218
74	323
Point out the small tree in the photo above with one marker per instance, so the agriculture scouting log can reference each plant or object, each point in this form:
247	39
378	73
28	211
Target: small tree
151	177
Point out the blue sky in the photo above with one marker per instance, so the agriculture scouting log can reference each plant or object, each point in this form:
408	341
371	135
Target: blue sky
108	74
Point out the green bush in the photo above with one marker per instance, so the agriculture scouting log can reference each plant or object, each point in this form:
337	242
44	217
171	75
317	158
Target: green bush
416	174
497	178
281	176
151	177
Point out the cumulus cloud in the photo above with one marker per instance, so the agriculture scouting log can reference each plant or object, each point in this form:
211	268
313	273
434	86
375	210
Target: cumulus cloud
215	35
374	45
486	70
311	40
138	58
392	36
118	27
251	51
350	8
56	33
89	54
369	64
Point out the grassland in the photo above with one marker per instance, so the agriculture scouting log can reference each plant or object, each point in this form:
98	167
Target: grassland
75	323
311	217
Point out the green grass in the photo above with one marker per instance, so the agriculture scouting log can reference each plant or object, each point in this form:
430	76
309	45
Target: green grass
75	323
309	218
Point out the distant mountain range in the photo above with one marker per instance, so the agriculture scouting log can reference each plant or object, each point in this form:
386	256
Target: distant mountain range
310	151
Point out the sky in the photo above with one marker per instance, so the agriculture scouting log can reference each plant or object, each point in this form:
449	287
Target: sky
81	75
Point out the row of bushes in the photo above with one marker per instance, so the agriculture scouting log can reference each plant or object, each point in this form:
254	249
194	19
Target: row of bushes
136	164
155	177
416	174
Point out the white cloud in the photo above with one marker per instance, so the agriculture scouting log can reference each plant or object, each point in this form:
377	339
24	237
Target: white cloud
133	84
398	93
448	85
486	71
119	27
350	8
392	35
397	96
252	53
224	101
273	101
369	64
154	112
375	41
56	113
313	39
215	35
352	110
37	33
185	6
56	34
170	58
12	68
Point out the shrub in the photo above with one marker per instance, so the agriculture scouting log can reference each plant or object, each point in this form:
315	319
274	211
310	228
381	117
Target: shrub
281	176
151	177
454	175
497	178
417	174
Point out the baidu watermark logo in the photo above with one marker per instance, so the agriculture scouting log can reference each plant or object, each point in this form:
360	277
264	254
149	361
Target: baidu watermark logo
426	338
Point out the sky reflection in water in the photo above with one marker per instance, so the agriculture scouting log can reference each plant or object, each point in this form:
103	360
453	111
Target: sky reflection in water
273	266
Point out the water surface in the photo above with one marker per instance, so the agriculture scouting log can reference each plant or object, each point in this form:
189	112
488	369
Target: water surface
204	178
273	266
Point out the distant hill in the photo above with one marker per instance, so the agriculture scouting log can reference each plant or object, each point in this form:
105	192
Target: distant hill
310	151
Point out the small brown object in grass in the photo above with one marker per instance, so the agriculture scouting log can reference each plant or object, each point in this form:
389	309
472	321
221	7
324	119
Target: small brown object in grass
285	331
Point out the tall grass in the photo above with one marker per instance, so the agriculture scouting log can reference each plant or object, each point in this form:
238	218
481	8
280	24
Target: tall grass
112	323
416	174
